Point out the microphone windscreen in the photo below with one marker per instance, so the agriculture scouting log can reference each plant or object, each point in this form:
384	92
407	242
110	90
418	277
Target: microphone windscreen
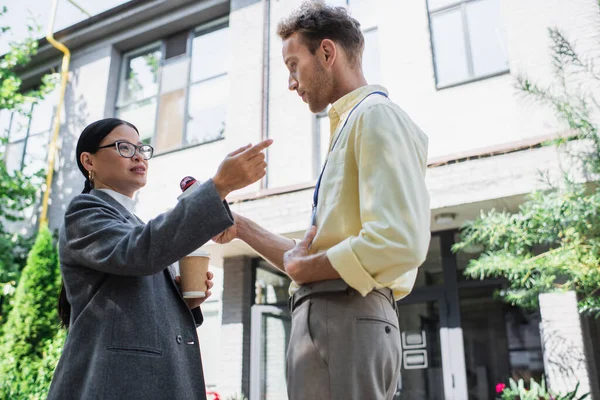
186	183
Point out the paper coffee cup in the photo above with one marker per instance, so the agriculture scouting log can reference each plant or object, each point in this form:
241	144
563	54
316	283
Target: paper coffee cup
192	272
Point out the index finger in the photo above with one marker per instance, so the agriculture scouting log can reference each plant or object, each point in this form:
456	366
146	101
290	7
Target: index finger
257	148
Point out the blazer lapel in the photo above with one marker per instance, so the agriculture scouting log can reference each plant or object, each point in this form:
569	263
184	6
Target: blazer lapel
169	272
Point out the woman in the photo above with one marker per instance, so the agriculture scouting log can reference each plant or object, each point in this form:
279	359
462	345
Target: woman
131	334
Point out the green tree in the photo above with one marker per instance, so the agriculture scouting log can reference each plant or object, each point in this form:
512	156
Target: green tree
39	375
32	340
17	190
12	96
553	242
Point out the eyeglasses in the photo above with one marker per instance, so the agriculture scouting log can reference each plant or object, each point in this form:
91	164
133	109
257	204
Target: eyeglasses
128	150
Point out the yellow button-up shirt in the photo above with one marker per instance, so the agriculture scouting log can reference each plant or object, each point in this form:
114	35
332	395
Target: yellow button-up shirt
373	210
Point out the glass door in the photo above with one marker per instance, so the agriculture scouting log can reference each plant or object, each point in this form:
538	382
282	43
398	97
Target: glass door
269	338
422	360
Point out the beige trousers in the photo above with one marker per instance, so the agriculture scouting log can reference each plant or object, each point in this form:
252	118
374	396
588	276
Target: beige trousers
344	347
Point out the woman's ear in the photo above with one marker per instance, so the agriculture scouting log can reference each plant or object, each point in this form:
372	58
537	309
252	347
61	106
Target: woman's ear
87	160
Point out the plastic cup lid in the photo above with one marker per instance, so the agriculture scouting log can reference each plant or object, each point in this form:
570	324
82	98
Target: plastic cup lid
199	253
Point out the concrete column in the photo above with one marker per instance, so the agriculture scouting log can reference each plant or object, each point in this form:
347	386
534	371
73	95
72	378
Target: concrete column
235	341
563	343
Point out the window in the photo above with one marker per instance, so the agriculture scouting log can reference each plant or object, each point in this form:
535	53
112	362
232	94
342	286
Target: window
270	285
468	40
176	91
139	89
364	12
209	86
322	138
27	136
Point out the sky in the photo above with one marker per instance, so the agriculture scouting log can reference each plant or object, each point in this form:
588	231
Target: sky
21	11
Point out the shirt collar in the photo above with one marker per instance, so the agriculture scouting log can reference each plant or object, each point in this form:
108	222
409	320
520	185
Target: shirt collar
345	103
125	201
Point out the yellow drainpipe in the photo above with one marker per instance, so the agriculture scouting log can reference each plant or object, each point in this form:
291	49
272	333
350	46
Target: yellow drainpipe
63	86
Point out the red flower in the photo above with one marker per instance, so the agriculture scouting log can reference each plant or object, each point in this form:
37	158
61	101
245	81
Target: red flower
500	387
215	395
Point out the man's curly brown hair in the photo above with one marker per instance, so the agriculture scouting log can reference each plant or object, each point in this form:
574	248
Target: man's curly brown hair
315	21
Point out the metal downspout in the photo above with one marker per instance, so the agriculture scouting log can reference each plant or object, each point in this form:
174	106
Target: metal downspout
63	86
266	71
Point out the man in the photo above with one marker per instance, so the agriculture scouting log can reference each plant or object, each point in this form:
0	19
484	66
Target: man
370	217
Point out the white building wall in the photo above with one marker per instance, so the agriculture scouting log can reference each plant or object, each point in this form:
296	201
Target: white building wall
488	112
460	119
290	121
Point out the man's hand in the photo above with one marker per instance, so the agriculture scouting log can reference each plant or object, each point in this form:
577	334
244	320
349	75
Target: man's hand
230	233
305	268
193	303
295	260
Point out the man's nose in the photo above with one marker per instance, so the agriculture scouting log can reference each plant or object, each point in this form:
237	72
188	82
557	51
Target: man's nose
292	83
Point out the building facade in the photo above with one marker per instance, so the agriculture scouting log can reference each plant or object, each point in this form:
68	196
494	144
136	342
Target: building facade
202	78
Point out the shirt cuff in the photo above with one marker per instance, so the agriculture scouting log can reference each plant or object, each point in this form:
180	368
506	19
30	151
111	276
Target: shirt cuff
345	262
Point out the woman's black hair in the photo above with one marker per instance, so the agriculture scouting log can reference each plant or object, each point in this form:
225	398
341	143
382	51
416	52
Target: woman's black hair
89	141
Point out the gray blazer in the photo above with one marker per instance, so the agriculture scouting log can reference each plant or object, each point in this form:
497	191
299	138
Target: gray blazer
131	335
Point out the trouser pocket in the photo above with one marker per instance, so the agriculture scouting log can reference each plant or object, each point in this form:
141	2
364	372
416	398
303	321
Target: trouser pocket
307	372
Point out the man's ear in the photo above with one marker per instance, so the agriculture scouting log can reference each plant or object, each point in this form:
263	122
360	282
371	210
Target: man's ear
328	49
87	161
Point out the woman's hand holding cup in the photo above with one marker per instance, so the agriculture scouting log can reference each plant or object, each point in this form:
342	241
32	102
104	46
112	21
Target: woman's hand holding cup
241	168
197	301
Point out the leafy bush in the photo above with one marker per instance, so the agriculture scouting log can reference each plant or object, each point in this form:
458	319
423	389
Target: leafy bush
536	391
31	340
18	191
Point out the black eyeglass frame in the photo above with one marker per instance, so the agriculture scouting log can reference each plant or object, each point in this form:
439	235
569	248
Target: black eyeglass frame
137	148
